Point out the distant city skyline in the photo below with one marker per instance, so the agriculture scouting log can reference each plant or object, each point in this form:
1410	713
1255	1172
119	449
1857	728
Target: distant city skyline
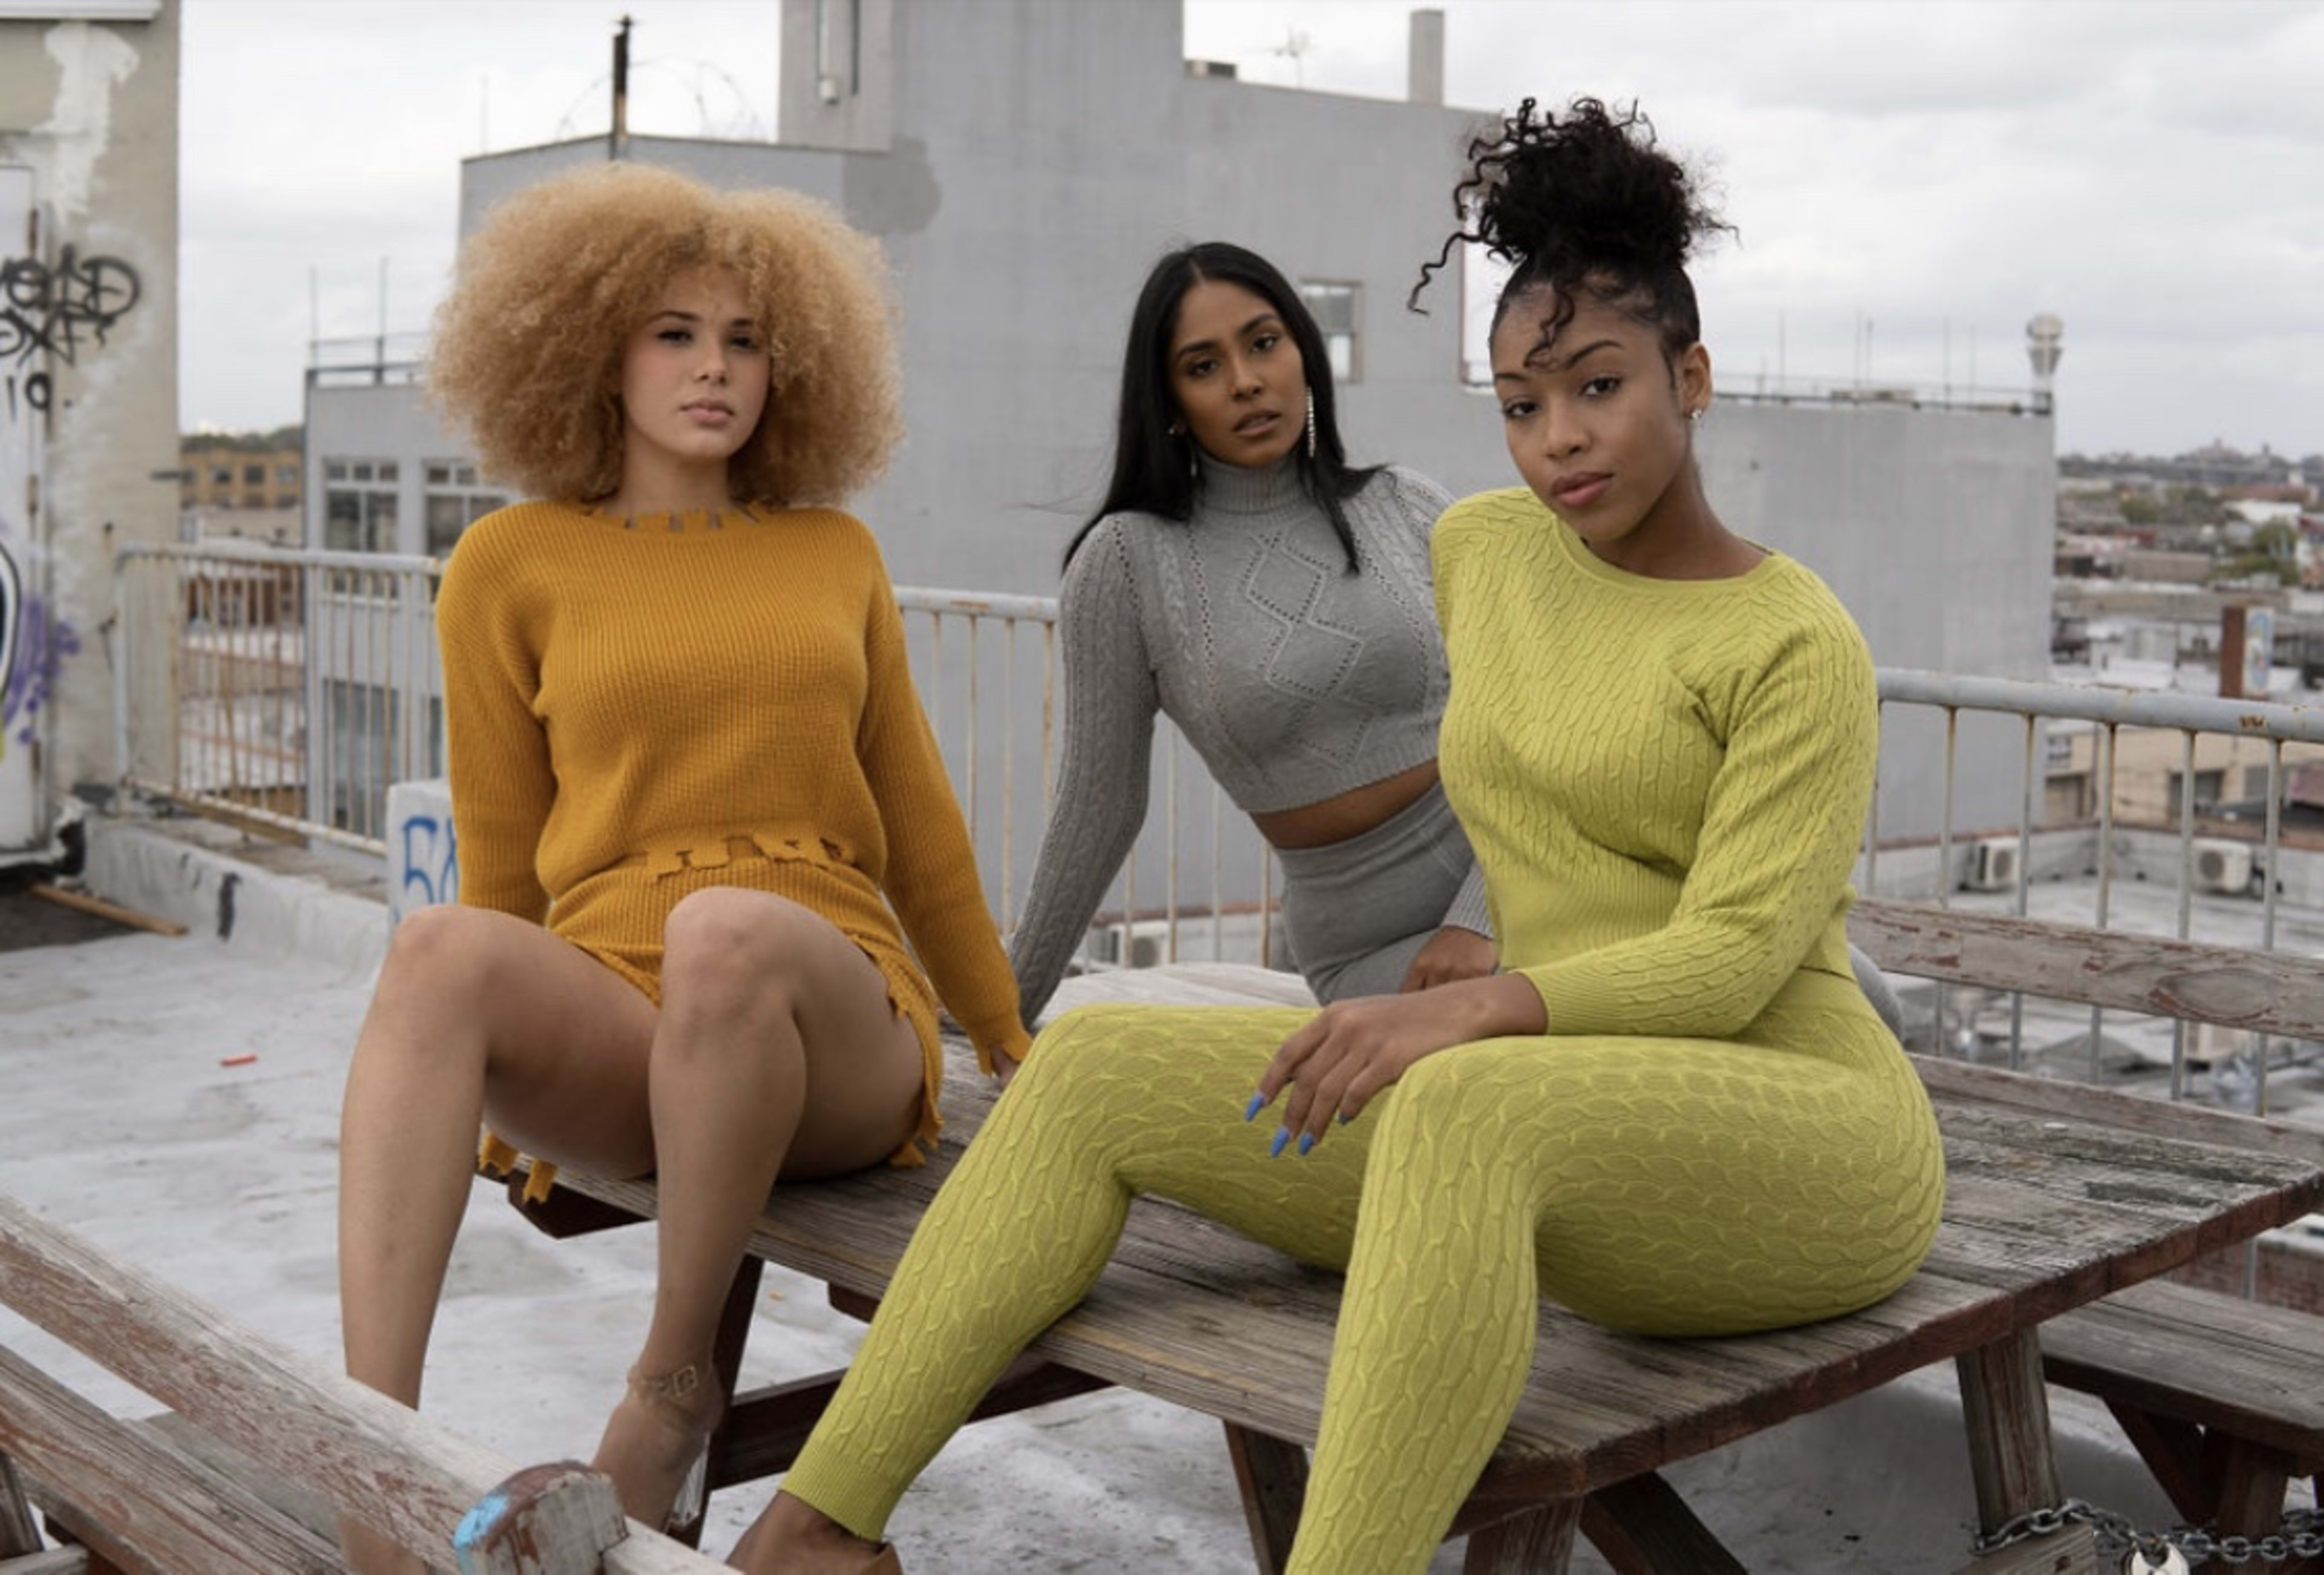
1911	183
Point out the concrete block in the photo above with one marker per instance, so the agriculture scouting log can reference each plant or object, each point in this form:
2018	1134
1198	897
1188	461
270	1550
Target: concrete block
423	855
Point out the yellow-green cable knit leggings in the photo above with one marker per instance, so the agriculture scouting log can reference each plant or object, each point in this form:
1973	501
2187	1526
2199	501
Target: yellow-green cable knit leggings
1663	1186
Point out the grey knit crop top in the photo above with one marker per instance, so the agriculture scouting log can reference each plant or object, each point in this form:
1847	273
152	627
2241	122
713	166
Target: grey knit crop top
1294	679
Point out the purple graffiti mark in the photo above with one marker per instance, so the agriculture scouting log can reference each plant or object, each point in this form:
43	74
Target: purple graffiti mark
42	649
12	626
58	309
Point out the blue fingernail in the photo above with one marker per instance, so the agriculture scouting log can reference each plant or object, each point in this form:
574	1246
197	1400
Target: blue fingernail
1258	1103
1282	1136
1306	1141
1342	1117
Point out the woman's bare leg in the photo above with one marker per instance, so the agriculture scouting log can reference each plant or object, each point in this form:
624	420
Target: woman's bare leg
468	1002
776	1052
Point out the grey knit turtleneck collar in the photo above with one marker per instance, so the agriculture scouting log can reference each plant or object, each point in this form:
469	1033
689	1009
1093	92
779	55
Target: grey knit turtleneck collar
1234	489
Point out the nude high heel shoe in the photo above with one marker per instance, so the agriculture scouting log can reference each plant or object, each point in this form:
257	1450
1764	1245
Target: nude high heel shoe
687	1402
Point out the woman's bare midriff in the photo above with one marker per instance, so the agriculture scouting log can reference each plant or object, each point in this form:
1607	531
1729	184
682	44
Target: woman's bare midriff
1349	814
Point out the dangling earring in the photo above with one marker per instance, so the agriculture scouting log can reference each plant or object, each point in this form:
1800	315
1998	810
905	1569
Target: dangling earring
1193	462
1311	423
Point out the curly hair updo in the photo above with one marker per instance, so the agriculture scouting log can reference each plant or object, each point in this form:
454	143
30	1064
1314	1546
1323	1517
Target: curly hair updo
529	345
1587	205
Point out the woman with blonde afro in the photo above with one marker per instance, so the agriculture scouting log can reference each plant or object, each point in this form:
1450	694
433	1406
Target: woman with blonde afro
699	808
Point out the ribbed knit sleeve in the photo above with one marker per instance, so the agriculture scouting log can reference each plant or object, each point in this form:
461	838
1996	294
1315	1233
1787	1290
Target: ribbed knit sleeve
1099	799
931	877
1421	502
1470	910
1780	831
502	783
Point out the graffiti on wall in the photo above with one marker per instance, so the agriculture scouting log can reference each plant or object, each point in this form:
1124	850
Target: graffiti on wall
430	867
56	309
43	644
33	646
12	626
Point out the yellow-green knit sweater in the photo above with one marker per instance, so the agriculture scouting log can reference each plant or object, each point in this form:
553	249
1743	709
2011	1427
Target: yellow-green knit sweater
641	710
1664	780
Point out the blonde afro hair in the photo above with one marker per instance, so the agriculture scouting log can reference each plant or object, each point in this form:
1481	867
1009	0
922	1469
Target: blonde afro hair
529	345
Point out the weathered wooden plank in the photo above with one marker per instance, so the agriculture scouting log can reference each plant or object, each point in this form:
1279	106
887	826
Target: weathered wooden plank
1995	1088
1643	1527
18	1534
137	1501
2071	1552
2217	1362
380	1462
1196	1315
2175	1453
56	1561
545	1520
306	1508
2252	1480
1272	1476
2007	1411
1538	1542
2272	992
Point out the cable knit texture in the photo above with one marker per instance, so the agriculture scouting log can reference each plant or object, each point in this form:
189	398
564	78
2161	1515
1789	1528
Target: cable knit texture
641	710
1294	679
1716	1135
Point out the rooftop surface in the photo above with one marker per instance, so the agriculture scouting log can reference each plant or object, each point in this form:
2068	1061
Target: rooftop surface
128	1113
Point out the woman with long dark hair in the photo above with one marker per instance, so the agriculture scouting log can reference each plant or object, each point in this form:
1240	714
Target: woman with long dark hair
1274	600
1674	1111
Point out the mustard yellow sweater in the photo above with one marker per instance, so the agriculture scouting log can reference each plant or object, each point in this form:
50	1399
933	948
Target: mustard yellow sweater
631	703
1665	781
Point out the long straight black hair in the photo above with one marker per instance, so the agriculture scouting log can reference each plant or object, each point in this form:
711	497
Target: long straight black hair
1153	472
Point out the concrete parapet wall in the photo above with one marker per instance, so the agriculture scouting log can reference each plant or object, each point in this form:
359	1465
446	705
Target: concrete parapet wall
171	874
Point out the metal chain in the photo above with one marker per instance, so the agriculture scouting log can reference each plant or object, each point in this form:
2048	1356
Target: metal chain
2302	1536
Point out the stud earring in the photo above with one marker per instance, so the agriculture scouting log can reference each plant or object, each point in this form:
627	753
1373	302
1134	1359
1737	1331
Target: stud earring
1694	416
1311	423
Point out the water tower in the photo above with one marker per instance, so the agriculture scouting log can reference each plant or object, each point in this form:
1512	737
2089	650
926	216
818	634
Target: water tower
2044	343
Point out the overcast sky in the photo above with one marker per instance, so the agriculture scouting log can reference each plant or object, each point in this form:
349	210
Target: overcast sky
1912	181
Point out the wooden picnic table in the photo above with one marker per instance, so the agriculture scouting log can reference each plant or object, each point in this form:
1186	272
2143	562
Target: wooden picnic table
2045	1210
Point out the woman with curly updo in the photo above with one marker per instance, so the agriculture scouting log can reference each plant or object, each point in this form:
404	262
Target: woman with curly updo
1673	1112
699	807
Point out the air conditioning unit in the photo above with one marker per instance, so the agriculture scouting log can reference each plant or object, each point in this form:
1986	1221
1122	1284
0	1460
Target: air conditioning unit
2223	866
1992	864
1136	944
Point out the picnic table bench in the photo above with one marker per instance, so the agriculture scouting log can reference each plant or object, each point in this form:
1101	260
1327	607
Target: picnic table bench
2052	1204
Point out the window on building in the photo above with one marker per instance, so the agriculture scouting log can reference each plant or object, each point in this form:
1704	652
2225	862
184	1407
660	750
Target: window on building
222	476
455	500
359	506
1478	286
286	475
1336	309
360	752
254	475
2256	783
2210	786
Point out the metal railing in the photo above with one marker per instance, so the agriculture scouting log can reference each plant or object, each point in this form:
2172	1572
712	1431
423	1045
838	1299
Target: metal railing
2138	827
290	688
280	688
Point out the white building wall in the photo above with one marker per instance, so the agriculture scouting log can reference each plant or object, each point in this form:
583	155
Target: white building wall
1933	527
1041	155
88	373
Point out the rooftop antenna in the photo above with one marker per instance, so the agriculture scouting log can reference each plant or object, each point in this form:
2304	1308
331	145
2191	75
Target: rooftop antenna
1295	45
617	139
